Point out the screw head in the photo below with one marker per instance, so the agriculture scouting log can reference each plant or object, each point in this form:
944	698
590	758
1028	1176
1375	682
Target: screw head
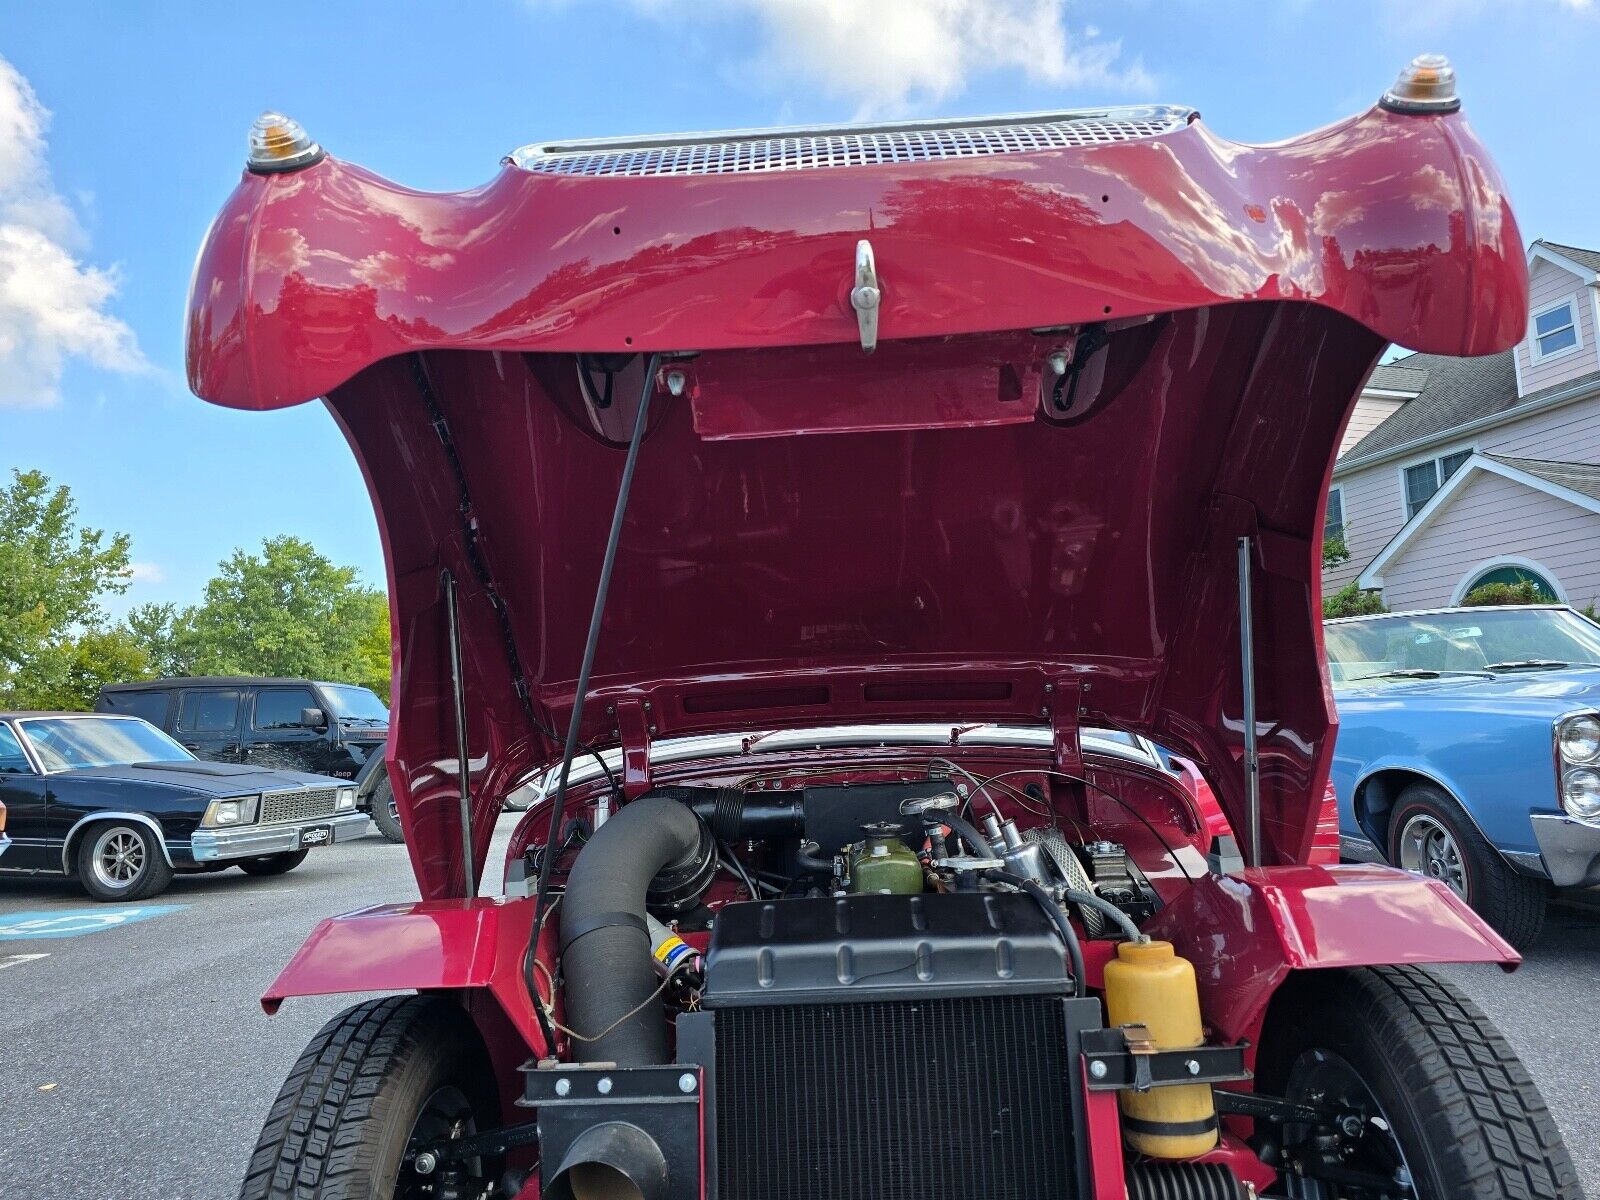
425	1163
1191	1066
604	1085
563	1086
686	1082
1099	1070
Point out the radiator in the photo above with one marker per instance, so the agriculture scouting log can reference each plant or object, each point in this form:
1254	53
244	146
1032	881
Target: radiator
940	1099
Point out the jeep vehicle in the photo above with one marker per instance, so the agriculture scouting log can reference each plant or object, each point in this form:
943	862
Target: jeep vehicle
334	729
1009	428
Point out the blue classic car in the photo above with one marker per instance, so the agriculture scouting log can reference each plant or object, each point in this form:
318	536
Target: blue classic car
1469	750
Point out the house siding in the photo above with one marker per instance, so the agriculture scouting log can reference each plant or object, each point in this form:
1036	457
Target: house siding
1492	516
1549	284
1370	412
1373	514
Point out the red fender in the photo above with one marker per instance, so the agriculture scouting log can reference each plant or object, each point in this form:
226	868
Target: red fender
1244	933
475	947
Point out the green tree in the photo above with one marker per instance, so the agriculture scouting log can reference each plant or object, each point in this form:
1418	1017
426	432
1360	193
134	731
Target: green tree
54	575
1522	592
1351	601
286	611
154	629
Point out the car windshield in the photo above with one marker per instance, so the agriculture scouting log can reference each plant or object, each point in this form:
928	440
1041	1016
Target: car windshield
66	743
1431	644
355	703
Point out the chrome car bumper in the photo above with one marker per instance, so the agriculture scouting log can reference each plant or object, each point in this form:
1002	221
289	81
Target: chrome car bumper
252	841
5	843
1570	849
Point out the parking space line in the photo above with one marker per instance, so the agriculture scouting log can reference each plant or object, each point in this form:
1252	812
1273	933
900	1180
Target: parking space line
12	960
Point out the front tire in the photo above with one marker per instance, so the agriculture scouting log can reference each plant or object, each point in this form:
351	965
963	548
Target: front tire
1430	835
1451	1112
273	864
385	815
120	861
375	1079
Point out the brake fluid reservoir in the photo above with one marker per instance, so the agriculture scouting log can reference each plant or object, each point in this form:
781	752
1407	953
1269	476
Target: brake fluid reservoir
883	863
1148	984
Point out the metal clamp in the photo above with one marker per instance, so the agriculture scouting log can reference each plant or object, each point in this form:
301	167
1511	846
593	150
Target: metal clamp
866	296
1126	1057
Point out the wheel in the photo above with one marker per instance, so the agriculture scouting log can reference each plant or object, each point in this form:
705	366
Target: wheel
378	1081
385	812
1427	1101
273	864
1430	835
122	860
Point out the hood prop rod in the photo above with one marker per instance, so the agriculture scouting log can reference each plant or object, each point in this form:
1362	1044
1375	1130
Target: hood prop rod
580	693
458	696
1247	665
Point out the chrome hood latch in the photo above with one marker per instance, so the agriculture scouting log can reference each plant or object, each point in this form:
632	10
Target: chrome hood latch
866	296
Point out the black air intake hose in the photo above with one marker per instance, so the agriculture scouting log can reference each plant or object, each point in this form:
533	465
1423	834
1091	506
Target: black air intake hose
734	813
1184	1181
605	947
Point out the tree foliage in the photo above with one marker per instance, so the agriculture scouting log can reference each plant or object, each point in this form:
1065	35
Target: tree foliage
1351	601
285	611
54	575
1523	592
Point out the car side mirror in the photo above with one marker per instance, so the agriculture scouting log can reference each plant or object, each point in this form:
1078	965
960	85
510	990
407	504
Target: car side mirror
313	718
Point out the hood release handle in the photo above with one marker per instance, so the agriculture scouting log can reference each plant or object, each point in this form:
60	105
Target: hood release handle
866	295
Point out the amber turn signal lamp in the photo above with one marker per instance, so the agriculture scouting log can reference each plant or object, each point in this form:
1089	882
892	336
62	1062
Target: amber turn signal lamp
1428	84
278	143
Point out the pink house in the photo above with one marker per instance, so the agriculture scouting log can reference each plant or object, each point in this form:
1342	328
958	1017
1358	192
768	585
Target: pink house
1458	472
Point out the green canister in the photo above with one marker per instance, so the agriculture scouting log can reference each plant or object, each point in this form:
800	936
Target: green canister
883	864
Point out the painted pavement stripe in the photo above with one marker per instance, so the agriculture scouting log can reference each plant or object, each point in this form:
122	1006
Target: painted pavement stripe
25	925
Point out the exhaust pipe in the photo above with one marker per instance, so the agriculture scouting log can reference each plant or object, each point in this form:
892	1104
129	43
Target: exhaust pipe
613	1161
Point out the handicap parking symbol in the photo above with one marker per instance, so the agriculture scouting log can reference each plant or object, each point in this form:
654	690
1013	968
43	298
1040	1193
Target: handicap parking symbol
24	925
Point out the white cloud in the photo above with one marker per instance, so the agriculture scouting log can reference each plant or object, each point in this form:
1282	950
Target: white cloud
890	56
146	572
52	305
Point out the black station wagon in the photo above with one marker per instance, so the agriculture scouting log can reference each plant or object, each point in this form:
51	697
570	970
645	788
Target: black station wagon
116	803
334	729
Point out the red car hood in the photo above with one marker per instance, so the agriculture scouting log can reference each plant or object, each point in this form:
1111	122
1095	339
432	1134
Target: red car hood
819	534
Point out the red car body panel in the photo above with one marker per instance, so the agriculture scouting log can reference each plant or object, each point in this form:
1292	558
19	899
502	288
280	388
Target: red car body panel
962	569
1245	932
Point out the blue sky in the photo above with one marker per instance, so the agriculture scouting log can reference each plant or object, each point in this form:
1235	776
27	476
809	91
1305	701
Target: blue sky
103	202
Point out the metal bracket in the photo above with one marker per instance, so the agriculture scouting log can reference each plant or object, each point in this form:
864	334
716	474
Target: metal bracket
1063	699
633	731
866	296
1126	1057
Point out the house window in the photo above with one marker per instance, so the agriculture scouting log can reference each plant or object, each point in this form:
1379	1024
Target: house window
1514	576
1333	523
1423	479
1554	330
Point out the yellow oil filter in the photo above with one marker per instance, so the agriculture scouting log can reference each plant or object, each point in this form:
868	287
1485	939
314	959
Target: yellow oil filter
1148	984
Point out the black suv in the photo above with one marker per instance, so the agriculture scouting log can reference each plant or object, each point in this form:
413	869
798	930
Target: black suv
298	724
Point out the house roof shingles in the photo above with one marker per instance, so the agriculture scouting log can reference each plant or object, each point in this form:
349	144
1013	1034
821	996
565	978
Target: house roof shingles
1583	478
1392	377
1584	258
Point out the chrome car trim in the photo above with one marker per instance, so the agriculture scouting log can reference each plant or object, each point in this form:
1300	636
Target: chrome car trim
1439	612
1361	849
1570	850
791	148
27	747
142	818
252	841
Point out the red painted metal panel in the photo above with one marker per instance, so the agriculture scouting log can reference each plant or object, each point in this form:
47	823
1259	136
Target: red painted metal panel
1245	933
1103	1133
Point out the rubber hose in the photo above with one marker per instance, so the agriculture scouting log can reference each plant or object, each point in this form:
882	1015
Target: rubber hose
1183	1181
1069	935
1100	904
605	948
968	834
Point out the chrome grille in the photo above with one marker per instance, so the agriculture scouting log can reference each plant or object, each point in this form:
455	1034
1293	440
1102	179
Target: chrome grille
301	804
738	152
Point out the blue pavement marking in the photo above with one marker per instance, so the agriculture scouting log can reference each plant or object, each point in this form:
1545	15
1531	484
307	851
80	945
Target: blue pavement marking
22	925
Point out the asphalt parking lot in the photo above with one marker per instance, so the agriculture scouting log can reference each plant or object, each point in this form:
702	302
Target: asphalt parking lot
137	1063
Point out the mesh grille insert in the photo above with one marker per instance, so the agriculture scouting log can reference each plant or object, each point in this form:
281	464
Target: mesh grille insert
302	804
743	152
905	1100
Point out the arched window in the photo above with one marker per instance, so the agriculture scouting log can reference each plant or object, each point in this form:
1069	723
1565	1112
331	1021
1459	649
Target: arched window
1509	572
